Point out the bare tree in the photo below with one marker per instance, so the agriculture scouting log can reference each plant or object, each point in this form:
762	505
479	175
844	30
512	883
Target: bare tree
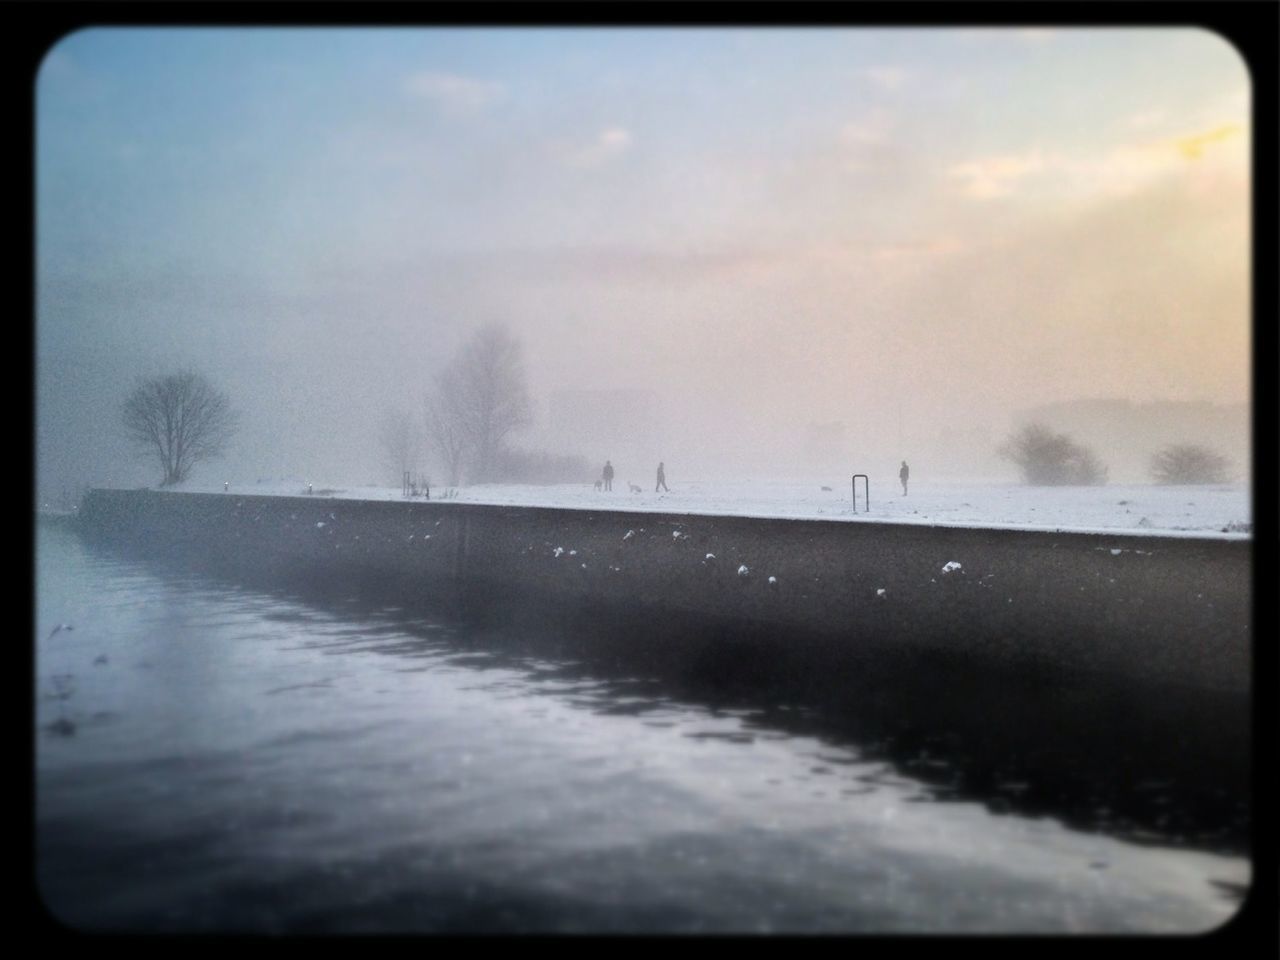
180	419
401	442
487	383
446	424
1052	459
1187	463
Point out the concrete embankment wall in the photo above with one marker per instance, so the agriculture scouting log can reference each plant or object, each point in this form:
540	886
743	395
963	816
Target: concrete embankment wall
1163	610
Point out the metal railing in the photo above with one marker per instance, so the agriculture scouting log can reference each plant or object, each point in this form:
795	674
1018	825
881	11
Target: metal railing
866	492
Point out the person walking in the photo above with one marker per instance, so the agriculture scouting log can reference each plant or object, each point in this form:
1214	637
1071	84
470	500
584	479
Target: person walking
902	475
608	475
662	480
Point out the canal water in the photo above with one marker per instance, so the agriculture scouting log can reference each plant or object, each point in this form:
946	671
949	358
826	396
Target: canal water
213	756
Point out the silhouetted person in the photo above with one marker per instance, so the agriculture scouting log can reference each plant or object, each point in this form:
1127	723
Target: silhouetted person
662	480
902	475
608	475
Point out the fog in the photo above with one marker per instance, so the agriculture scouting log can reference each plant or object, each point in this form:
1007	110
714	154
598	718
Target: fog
746	253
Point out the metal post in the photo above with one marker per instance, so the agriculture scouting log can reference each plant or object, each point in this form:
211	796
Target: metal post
866	492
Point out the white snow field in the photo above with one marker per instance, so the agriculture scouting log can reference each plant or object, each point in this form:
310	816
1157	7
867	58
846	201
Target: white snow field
1204	511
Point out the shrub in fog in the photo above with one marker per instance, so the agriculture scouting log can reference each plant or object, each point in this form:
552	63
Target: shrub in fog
1187	463
1047	458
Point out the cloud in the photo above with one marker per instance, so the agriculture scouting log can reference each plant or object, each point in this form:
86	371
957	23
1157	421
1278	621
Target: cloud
1148	119
608	144
1193	146
1117	171
887	78
866	142
739	263
452	93
869	133
997	176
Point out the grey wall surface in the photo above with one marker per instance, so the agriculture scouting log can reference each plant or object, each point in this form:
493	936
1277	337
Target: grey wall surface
1165	610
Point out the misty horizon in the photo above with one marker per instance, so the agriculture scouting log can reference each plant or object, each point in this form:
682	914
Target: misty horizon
819	251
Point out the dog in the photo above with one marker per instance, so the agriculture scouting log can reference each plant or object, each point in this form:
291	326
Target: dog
599	485
634	488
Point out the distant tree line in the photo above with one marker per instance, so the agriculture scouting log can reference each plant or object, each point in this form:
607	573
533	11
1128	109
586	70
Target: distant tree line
479	402
1048	458
472	410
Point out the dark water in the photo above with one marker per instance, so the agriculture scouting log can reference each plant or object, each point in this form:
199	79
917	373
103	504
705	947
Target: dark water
214	757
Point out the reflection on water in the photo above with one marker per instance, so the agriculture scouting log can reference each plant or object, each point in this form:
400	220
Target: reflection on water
254	760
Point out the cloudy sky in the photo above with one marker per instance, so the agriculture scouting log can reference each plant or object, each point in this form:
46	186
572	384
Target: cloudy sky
907	230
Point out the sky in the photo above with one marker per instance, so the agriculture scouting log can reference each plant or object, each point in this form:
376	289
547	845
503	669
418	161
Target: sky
916	233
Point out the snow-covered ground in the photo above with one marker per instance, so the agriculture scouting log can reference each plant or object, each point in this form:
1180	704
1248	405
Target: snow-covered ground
1216	511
